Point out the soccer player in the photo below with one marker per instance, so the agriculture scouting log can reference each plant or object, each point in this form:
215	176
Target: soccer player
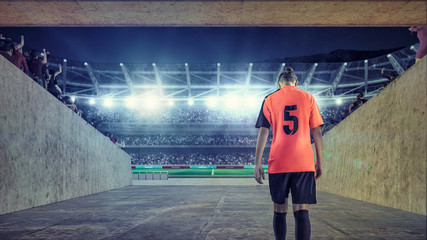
290	111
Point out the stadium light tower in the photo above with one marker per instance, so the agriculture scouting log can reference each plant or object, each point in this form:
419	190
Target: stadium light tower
395	64
307	81
127	77
187	76
248	78
93	78
218	77
338	78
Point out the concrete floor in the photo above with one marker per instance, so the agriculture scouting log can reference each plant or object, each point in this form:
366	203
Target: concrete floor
202	211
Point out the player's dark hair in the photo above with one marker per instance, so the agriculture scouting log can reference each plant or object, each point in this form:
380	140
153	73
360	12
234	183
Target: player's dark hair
287	75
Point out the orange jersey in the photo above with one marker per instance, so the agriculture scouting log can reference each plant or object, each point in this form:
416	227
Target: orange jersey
291	112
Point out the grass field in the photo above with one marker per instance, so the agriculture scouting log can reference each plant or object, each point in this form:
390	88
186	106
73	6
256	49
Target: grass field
182	173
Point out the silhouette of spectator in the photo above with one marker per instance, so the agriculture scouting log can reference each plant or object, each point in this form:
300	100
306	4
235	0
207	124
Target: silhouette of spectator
52	85
360	100
422	36
393	75
8	51
35	65
71	105
18	57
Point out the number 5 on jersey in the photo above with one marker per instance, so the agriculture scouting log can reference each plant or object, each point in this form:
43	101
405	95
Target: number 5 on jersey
289	117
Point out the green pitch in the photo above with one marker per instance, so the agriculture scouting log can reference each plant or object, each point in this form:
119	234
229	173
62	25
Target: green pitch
177	173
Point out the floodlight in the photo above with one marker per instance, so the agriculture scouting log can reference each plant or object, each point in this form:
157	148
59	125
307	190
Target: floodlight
388	55
151	102
171	103
85	63
251	64
316	64
130	102
121	64
283	64
190	102
211	102
73	99
366	61
412	47
65	60
186	64
338	101
108	102
218	64
251	101
154	64
232	102
345	64
91	101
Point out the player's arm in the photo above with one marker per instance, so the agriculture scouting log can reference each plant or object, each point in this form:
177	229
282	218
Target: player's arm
260	145
318	142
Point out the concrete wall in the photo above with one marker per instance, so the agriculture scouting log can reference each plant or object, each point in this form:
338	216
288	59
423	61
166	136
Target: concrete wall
378	153
226	13
47	152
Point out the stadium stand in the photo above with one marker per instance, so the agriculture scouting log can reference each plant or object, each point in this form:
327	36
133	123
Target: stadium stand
182	105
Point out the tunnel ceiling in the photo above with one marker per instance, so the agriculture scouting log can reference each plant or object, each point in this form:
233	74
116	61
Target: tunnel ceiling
212	13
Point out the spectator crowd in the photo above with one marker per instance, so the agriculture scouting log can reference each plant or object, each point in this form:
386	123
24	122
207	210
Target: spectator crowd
195	158
37	65
227	140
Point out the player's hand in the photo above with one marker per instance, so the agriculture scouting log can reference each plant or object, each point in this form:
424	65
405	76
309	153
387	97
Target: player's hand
259	173
318	171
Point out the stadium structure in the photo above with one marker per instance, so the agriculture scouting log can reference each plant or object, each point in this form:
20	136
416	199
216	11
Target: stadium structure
138	103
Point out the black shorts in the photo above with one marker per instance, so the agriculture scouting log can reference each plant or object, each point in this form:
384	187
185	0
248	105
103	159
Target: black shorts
301	184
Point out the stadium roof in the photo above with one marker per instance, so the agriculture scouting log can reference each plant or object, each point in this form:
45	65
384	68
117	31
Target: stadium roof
199	81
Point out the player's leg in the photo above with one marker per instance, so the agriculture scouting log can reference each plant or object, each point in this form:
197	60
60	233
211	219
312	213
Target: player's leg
279	219
279	191
302	221
303	189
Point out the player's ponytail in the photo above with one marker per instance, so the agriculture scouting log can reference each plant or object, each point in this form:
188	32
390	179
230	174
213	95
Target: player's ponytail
287	75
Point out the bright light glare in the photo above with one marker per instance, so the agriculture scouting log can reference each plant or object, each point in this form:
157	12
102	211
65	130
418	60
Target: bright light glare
317	99
91	101
338	101
232	102
108	102
171	103
211	102
251	101
130	102
73	99
190	102
151	102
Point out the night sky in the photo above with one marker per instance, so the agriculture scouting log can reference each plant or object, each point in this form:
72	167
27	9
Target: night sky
204	45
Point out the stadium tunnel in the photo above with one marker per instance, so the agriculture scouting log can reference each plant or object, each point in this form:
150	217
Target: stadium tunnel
374	168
